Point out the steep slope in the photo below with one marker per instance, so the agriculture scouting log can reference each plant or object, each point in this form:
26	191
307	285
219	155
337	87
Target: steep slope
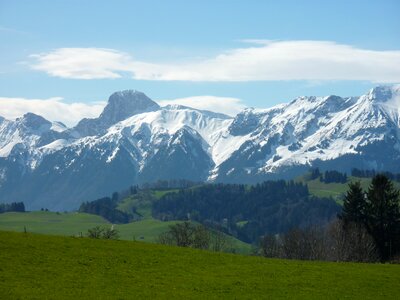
20	148
329	132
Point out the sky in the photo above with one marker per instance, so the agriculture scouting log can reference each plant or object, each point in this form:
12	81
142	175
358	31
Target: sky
62	59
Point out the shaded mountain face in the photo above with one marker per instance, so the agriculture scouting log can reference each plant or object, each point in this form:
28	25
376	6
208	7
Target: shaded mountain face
135	141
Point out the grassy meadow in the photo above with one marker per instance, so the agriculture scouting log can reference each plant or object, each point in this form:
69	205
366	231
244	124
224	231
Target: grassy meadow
335	190
53	267
75	224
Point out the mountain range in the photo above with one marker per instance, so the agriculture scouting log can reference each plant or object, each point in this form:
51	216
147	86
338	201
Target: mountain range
134	141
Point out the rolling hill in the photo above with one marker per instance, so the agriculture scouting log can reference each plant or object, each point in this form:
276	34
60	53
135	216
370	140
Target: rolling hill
40	267
77	224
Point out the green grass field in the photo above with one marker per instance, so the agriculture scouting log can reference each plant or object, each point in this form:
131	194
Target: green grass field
146	230
74	224
71	223
159	193
143	202
51	267
335	190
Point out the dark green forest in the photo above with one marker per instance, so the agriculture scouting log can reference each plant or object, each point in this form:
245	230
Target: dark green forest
248	212
107	208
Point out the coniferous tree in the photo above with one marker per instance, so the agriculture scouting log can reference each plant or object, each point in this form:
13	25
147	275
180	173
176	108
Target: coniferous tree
354	204
315	173
383	215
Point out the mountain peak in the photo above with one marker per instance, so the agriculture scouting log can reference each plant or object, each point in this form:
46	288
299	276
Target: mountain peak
384	93
121	105
126	93
124	104
34	121
380	93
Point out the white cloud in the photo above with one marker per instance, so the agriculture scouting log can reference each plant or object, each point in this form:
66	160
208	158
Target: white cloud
53	109
83	63
265	60
226	105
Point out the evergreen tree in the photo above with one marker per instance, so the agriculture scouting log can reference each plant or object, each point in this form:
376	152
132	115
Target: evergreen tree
383	215
354	204
315	173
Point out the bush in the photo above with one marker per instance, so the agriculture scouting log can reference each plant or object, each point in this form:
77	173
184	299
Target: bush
103	233
95	232
110	234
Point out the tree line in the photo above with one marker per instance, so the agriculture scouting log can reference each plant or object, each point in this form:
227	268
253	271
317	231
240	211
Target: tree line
328	176
170	184
332	242
13	206
371	173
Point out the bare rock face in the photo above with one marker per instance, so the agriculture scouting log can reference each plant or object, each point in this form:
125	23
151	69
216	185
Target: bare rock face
121	105
124	104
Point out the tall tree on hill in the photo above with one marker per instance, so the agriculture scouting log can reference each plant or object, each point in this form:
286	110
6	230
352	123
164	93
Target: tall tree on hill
354	204
383	215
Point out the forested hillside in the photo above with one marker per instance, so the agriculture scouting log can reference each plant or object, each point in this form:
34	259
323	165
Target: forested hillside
248	212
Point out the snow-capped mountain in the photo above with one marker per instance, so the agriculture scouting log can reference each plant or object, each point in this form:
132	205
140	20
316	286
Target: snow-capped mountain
134	140
121	105
328	132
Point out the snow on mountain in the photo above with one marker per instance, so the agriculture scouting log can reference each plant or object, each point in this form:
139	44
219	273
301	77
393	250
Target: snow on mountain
316	131
162	124
27	133
136	141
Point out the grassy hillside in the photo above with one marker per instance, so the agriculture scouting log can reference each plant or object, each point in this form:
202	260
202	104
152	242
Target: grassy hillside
72	224
142	202
39	267
149	228
335	190
50	222
146	230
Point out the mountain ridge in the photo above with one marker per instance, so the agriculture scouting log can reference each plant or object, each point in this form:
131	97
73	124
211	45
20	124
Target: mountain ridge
134	141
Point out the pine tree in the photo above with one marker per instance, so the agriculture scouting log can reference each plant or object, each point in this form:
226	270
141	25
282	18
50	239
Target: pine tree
354	204
383	215
315	173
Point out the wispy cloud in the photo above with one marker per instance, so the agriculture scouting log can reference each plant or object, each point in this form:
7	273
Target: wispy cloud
226	105
262	61
53	109
83	63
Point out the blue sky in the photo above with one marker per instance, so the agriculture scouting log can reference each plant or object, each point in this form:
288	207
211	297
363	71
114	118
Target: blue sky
258	53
